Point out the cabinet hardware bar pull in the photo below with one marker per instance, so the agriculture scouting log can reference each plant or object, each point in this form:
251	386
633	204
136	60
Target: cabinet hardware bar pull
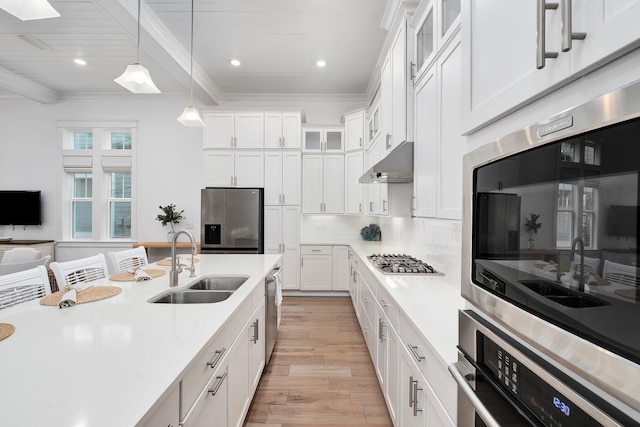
384	206
567	25
465	387
219	382
370	206
387	140
415	398
283	199
232	180
384	303
360	207
381	325
360	141
413	67
541	53
218	355
414	350
256	328
410	391
365	300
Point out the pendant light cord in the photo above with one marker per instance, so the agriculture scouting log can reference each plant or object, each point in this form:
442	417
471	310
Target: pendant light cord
191	54
139	3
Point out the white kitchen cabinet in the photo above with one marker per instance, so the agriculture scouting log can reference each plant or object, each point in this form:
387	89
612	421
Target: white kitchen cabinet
323	139
210	409
282	236
233	130
354	282
323	183
354	134
373	120
282	178
316	264
255	333
282	130
388	362
340	268
354	191
168	413
413	396
376	195
233	168
395	91
504	34
438	145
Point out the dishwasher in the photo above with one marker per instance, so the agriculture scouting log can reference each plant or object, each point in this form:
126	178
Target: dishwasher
271	313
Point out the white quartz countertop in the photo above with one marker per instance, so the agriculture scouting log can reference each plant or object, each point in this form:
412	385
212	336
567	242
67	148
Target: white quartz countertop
108	362
431	303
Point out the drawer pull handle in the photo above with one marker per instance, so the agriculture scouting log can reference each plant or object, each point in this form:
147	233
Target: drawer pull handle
256	330
415	398
384	303
414	350
219	381
216	359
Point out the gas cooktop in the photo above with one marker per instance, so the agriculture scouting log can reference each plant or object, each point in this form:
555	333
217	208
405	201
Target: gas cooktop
402	265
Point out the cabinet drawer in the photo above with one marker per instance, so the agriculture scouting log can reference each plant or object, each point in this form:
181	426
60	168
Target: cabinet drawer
316	250
368	302
202	368
416	345
257	295
389	306
212	401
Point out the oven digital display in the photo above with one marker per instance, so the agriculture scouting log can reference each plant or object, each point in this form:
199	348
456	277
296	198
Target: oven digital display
550	407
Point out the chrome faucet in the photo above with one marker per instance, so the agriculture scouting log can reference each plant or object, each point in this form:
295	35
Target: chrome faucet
175	267
580	243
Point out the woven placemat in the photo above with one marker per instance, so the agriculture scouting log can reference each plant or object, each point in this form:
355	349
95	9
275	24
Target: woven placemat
6	329
628	293
94	293
167	262
130	277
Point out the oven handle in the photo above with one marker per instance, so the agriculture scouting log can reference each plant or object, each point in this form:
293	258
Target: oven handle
481	410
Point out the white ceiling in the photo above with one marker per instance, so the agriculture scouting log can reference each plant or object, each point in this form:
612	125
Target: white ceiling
278	42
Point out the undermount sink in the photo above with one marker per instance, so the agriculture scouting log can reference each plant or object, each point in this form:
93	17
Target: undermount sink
192	297
219	283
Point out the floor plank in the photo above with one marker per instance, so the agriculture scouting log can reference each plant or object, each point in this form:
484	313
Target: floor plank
320	374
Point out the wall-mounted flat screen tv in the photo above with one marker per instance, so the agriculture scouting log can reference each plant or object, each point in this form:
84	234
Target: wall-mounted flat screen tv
20	208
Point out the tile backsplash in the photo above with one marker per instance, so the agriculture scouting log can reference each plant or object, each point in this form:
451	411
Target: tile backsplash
436	241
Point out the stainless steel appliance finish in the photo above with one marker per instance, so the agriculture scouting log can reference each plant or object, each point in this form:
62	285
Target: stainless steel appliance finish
271	314
232	220
402	265
613	376
395	167
503	382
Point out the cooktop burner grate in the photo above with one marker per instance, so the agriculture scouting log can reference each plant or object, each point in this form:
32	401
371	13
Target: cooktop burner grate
402	265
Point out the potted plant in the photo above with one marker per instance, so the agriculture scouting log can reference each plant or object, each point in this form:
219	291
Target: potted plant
170	215
532	225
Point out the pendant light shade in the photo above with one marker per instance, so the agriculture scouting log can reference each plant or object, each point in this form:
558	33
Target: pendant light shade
29	9
136	77
190	116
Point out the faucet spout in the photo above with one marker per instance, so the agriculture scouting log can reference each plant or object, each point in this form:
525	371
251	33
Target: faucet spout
175	267
580	243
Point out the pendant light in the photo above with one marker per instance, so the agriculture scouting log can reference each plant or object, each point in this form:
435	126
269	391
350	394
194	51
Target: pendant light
190	115
136	77
29	9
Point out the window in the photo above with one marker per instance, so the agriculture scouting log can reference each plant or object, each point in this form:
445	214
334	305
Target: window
576	201
99	180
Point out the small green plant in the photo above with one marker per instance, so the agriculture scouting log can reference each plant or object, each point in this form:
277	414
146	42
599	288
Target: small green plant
170	215
532	225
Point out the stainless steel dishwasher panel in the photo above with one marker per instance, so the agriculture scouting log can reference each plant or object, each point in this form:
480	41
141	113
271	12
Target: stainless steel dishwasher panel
271	315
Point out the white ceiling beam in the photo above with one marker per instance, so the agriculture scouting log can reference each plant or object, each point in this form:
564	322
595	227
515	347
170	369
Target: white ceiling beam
162	46
27	88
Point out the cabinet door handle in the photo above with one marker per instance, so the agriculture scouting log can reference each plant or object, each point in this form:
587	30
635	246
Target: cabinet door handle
387	140
384	206
384	303
365	300
414	350
415	398
567	25
218	355
256	331
381	326
232	180
370	206
410	391
360	141
360	207
412	66
541	53
219	381
232	138
283	199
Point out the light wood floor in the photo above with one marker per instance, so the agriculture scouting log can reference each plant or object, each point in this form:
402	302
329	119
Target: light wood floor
320	372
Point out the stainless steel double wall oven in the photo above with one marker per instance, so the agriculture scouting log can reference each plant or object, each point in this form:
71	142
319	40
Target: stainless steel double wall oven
550	266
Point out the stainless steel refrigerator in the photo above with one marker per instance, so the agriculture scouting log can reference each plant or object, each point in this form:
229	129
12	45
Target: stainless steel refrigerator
232	220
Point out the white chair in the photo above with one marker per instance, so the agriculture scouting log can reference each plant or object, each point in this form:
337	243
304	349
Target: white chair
591	265
621	273
80	270
24	286
127	259
14	255
20	266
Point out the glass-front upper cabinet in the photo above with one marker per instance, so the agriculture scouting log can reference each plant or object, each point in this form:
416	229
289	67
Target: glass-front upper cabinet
424	40
449	12
323	139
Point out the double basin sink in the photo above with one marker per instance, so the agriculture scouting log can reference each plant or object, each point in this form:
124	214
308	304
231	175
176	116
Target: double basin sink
207	290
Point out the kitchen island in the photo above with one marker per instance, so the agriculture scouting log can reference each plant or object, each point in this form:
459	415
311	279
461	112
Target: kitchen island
114	362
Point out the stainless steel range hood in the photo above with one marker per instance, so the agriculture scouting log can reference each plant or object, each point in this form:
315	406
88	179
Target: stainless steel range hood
396	167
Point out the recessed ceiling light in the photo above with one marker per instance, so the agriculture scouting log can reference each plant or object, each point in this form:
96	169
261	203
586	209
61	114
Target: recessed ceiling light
80	61
235	62
321	63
